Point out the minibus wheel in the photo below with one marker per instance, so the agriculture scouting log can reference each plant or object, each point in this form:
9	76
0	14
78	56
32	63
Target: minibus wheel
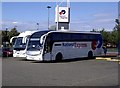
59	57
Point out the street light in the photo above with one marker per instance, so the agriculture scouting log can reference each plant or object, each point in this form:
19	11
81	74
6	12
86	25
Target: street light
48	15
38	26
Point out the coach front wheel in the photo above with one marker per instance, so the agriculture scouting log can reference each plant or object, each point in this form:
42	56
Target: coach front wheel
59	57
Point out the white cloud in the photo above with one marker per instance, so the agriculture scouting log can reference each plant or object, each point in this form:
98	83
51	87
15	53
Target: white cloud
79	22
86	26
104	20
24	26
15	22
101	15
99	23
81	25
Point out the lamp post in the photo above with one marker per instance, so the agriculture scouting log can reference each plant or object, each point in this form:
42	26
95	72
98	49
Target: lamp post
48	15
57	17
38	26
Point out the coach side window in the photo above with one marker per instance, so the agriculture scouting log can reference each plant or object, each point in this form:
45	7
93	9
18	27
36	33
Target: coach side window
66	37
47	45
75	37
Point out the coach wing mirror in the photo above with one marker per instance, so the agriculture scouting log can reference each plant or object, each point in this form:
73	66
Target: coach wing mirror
42	39
24	40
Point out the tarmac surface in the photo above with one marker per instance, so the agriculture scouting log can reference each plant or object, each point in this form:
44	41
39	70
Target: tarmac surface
18	72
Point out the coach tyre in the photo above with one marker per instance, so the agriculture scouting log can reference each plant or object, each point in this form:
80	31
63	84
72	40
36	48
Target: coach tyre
59	57
90	55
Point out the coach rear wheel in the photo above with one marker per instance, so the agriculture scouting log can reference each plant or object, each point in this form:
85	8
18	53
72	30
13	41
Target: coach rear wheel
59	57
90	55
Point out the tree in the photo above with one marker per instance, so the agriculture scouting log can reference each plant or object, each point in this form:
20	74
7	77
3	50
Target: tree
118	29
6	35
13	32
105	36
114	37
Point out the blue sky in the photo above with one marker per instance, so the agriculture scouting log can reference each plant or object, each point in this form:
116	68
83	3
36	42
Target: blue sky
84	15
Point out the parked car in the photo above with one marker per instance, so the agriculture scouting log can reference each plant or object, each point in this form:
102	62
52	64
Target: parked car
6	52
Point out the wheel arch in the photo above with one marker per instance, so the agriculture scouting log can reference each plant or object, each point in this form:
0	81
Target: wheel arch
58	54
90	54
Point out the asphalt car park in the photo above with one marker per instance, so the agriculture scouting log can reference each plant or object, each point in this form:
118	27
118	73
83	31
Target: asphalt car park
19	72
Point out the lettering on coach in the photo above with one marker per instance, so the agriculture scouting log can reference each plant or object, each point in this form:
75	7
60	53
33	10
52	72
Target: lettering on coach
74	45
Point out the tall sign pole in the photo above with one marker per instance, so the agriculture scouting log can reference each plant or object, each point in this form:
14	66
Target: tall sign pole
57	17
68	5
